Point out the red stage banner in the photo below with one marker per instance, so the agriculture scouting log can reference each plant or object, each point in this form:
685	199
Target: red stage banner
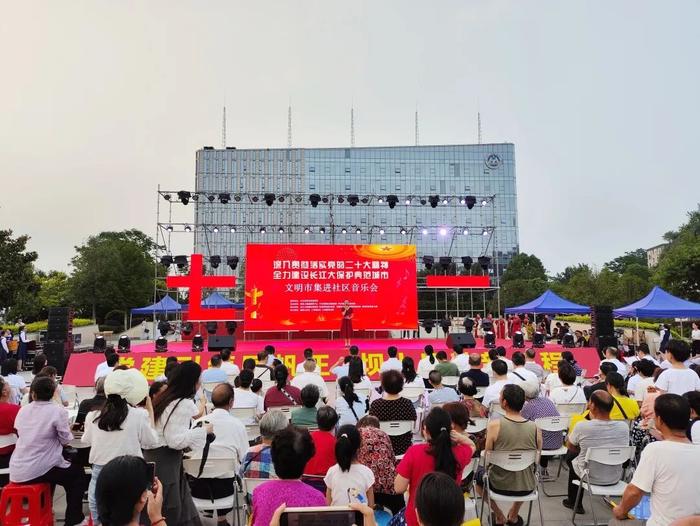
458	282
81	367
303	287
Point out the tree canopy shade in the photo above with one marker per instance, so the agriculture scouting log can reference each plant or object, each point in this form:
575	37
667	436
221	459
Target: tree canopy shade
659	304
549	303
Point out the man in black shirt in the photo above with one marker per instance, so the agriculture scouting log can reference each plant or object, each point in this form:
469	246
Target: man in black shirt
478	377
605	369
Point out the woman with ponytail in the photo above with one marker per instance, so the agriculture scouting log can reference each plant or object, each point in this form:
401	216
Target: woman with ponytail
349	405
282	394
348	481
119	428
444	451
425	365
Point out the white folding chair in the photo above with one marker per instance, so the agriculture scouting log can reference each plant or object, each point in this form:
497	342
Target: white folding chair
553	424
450	381
511	461
210	386
5	441
253	431
479	425
413	393
214	468
396	427
570	409
248	486
230	378
244	414
362	392
287	410
480	392
71	394
495	410
610	456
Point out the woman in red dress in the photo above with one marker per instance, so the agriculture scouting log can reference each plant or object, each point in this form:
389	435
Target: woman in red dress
346	323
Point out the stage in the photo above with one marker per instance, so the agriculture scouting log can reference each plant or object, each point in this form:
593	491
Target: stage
81	367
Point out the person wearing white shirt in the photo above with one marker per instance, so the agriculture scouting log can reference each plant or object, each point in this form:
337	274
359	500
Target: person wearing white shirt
4	349
393	363
349	406
611	357
639	384
427	364
270	351
695	339
227	366
245	398
493	391
310	377
567	393
678	379
520	372
461	360
644	354
18	385
231	442
667	469
308	355
23	345
106	367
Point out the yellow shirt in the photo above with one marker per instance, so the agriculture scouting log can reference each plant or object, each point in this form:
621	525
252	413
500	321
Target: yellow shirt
630	406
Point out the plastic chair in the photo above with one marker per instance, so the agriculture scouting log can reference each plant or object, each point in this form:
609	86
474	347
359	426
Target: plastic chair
570	409
230	378
479	425
450	381
495	410
210	386
287	410
610	456
480	392
253	431
511	461
244	414
553	424
396	427
214	468
413	393
24	504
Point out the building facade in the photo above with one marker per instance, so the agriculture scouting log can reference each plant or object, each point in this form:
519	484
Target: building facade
372	175
654	254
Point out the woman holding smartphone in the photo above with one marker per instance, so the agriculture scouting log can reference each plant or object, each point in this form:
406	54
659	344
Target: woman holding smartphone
119	428
173	410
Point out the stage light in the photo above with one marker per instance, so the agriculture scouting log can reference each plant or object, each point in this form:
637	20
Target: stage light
281	230
485	232
255	199
224	198
195	197
381	231
263	230
403	231
324	199
269	199
445	262
444	201
232	261
187	328
180	261
428	261
428	325
211	198
322	230
365	200
568	341
212	326
484	262
434	200
237	198
341	199
424	231
281	199
188	228
343	230
489	340
307	230
484	202
166	197
99	344
197	343
408	201
161	344
380	200
232	229
214	261
315	199
231	327
462	201
166	261
358	231
184	196
538	340
392	200
467	261
297	199
465	231
169	228
353	200
215	229
470	201
518	340
443	231
422	201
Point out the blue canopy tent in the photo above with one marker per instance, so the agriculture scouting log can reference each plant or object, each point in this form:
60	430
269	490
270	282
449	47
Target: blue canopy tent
217	301
549	303
166	305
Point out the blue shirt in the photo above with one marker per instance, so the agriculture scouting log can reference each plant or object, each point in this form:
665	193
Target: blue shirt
443	396
215	374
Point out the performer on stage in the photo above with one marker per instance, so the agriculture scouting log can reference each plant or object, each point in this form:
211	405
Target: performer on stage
500	328
22	347
346	323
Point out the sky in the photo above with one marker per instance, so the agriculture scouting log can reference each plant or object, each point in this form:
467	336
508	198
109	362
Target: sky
101	101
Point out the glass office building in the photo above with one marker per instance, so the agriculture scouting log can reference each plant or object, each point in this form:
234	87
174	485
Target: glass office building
374	178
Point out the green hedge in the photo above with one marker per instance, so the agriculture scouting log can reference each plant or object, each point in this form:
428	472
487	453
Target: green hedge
625	324
42	325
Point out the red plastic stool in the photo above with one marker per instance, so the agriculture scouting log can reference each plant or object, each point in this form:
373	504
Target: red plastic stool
26	504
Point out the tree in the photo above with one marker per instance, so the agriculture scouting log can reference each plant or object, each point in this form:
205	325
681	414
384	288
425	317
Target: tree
619	264
17	283
113	271
678	270
524	279
524	266
54	289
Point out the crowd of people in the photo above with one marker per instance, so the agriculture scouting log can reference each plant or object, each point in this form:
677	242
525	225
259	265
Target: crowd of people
311	448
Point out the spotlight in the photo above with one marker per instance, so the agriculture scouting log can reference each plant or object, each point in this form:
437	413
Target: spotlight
232	229
343	230
161	344
188	228
519	340
358	230
180	261
269	199
255	199
538	340
224	198
166	197
462	201
408	201
433	200
568	341
485	232
465	231
403	231
187	328
212	326
211	198
324	199
297	199
124	344
166	261
263	230
231	327
232	261
445	263
380	200
365	200
422	201
281	230
489	340
99	345
470	201
381	231
467	261
322	230
341	199
237	198
484	202
353	200
444	201
392	200
315	200
428	325
307	230
443	231
215	229
195	197
214	261
424	231
169	228
197	343
184	196
484	262
281	199
428	261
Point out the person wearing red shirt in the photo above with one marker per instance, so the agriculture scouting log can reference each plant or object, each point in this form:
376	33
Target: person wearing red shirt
282	394
444	451
324	440
8	412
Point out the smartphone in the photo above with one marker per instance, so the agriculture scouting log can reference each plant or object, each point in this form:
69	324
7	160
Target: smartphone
152	476
326	516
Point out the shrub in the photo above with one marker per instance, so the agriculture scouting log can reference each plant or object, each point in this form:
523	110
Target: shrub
42	325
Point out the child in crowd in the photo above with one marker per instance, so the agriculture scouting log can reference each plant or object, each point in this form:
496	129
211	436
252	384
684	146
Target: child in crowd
349	481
